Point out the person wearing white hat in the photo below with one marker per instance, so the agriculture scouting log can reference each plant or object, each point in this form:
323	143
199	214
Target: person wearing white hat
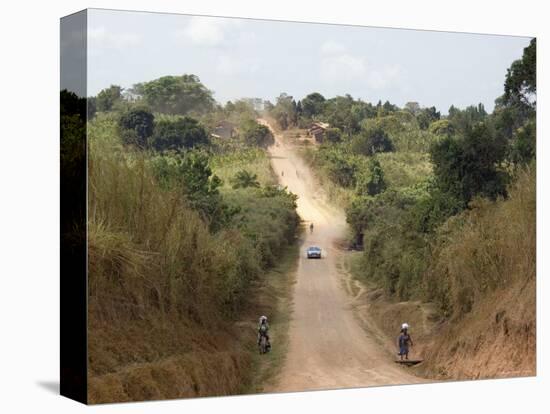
404	341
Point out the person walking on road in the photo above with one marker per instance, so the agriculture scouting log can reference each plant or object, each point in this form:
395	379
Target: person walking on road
263	330
404	341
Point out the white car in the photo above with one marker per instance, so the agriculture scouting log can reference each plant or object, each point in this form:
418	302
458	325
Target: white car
314	252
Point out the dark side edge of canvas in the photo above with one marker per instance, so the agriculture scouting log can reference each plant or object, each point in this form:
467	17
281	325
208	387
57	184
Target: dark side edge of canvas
73	223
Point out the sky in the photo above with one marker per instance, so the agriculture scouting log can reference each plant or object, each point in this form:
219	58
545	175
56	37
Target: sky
238	58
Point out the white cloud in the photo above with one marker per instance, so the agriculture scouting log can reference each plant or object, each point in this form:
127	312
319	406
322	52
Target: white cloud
229	65
384	77
204	31
331	47
343	67
338	65
100	37
208	31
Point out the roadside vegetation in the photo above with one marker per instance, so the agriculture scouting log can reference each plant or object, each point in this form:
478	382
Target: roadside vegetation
183	226
187	227
442	206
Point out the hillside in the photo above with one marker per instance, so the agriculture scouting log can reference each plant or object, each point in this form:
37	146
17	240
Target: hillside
442	210
490	251
180	261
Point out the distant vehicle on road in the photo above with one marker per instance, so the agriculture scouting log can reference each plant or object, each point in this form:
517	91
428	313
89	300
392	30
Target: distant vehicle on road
314	252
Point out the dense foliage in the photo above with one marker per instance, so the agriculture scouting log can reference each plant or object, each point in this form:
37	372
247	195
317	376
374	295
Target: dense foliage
185	215
254	134
407	173
107	98
136	126
175	251
176	95
178	133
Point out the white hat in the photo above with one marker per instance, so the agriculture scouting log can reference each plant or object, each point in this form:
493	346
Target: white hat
405	326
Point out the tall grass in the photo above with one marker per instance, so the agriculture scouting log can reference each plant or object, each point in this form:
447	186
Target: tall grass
490	247
483	275
164	292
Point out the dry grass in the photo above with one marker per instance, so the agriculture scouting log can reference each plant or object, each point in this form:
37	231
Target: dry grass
483	278
165	295
159	288
491	246
486	261
274	298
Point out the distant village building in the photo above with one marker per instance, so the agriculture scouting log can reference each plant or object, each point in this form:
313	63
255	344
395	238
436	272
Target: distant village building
224	129
317	130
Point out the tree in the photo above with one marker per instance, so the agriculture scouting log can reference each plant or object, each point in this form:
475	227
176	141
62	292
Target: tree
442	127
371	141
359	215
464	120
136	126
192	174
313	105
388	107
524	144
284	111
255	134
92	107
245	179
176	95
514	116
430	212
426	116
108	97
340	167
520	86
178	133
412	107
333	135
299	109
374	184
346	114
469	166
338	114
508	118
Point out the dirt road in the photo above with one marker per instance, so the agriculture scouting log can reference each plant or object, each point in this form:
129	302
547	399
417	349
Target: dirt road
329	348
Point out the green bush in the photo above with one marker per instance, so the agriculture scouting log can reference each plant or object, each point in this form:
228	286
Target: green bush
255	134
178	133
371	141
244	179
136	126
267	217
